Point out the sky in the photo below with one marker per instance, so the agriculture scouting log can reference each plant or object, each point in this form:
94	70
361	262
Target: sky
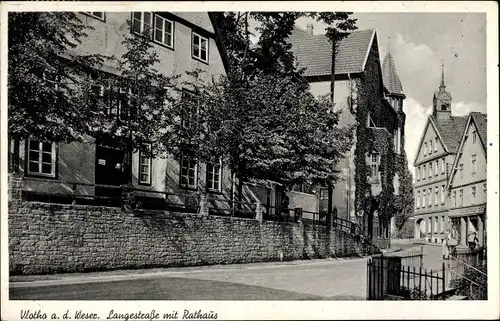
420	43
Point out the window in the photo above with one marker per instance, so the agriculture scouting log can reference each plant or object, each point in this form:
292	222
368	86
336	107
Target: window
429	195
189	172
430	147
41	158
461	170
142	22
443	166
473	161
423	198
484	188
418	199
369	121
474	137
423	172
425	148
443	193
124	105
145	165
214	176
163	32
455	198
473	194
461	197
397	141
436	168
436	195
430	170
200	47
98	15
374	167
188	120
436	145
418	173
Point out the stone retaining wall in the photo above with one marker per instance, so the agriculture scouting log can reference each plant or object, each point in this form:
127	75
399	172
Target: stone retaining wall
54	238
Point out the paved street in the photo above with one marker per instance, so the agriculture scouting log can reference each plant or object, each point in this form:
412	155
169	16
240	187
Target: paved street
343	279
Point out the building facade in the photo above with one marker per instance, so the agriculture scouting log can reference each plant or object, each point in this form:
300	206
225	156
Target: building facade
467	183
370	97
439	149
184	41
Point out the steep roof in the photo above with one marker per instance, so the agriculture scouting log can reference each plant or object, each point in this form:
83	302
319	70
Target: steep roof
450	130
314	52
480	121
391	79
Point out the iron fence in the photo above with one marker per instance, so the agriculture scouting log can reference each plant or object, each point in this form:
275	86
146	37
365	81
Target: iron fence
388	277
461	259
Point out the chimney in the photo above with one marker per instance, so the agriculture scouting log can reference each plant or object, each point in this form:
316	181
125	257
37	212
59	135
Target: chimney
310	29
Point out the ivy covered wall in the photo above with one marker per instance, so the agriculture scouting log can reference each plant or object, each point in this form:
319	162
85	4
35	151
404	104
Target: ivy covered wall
380	140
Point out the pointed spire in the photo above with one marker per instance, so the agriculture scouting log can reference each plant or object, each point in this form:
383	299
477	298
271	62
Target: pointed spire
442	76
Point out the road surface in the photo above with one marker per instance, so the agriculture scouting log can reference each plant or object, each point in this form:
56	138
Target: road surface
343	279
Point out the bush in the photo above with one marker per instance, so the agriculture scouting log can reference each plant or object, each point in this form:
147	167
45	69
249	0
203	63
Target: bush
405	232
478	288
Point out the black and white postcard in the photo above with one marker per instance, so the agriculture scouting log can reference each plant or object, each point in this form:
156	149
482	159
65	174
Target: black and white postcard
254	160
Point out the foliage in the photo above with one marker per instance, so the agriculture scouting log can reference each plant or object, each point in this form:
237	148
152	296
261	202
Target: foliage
473	284
130	105
405	231
413	293
405	201
44	88
267	129
263	121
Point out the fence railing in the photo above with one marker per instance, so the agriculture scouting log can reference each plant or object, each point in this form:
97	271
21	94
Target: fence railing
461	259
388	277
144	198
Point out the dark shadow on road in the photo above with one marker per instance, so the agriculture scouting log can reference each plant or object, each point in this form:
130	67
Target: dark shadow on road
171	288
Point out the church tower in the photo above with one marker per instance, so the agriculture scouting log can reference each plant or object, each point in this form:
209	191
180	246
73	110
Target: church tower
395	95
442	100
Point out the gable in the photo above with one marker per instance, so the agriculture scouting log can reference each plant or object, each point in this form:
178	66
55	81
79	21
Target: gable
430	134
468	149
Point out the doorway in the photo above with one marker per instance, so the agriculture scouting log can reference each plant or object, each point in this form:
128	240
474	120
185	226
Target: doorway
110	170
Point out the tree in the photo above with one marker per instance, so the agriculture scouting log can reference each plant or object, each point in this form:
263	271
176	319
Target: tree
261	119
129	106
404	202
44	78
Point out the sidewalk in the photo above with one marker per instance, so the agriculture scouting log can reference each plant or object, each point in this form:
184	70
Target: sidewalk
134	274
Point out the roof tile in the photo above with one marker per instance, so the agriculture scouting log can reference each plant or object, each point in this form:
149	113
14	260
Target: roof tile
314	52
480	121
390	76
451	130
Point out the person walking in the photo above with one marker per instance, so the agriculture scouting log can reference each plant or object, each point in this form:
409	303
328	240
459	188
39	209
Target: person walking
471	240
446	249
452	244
